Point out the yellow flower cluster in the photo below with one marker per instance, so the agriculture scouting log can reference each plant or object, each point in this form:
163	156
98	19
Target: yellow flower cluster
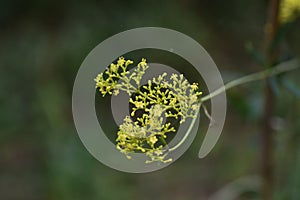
108	81
160	98
289	10
133	138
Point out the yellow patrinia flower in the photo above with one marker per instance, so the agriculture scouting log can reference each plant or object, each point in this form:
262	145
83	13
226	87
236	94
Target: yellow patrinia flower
174	98
289	10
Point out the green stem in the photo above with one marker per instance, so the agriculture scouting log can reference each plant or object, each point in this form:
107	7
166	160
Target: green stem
283	67
163	141
187	133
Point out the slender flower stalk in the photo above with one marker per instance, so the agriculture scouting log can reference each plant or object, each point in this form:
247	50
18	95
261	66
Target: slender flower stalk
281	68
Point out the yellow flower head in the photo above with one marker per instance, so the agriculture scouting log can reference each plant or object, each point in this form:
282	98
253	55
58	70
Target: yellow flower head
289	10
143	62
194	86
139	104
153	139
121	61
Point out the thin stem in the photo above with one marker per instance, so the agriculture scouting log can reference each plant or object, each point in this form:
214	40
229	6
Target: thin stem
283	67
187	133
271	56
212	121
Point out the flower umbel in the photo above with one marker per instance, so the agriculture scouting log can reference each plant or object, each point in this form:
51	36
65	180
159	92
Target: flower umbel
160	99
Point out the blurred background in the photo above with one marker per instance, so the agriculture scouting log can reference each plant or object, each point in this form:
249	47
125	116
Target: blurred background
42	45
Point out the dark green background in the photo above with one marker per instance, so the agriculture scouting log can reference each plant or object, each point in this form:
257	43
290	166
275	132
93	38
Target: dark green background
42	44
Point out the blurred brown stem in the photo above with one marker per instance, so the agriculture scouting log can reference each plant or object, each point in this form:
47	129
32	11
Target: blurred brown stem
269	102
